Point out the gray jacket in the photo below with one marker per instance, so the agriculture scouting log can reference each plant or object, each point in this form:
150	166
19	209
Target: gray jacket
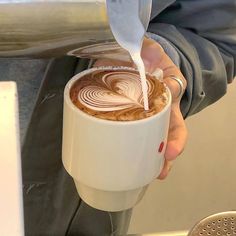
200	37
203	33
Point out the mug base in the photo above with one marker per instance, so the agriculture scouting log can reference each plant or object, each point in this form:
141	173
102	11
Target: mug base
110	200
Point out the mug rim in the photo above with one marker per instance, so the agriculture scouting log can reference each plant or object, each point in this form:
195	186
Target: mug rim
76	77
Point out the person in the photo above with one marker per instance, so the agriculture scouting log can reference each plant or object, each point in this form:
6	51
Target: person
193	40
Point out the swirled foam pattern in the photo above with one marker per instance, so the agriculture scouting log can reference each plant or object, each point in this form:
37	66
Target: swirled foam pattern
117	95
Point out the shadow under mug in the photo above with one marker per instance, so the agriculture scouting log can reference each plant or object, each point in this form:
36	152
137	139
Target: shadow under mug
112	162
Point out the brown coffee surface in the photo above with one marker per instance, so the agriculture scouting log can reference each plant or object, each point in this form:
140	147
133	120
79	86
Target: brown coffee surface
117	95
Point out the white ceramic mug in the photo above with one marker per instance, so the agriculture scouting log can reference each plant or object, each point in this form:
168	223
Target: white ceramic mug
112	162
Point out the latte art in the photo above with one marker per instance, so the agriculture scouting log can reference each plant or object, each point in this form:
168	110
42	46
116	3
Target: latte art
119	90
117	95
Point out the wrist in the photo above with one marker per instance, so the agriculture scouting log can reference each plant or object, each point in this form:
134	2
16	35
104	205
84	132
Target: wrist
169	49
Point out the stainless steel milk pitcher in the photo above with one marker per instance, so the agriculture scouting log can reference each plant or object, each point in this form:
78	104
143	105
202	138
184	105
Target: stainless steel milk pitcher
50	28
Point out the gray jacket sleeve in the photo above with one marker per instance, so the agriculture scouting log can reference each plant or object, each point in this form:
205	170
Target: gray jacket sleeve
203	33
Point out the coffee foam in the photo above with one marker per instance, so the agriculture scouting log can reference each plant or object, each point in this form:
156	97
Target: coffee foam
117	95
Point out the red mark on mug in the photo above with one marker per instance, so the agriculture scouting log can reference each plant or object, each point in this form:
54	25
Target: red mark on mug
162	144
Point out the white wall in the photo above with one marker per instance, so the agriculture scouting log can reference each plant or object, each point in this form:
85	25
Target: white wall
202	180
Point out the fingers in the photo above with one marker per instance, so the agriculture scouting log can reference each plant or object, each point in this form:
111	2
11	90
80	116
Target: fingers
176	142
166	169
177	135
177	86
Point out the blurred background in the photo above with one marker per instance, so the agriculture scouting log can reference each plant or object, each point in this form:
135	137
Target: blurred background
202	180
